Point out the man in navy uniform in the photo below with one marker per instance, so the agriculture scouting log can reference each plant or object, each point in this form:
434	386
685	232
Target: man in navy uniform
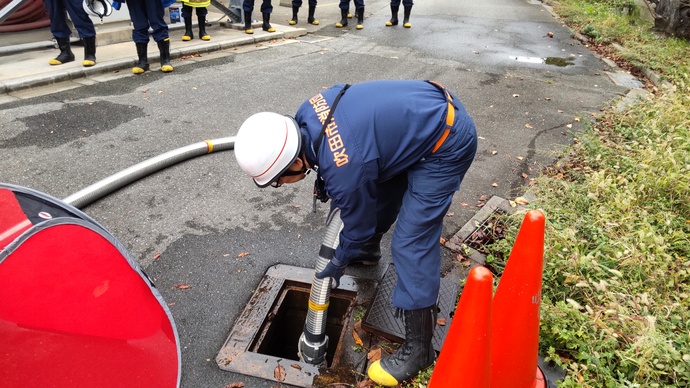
384	152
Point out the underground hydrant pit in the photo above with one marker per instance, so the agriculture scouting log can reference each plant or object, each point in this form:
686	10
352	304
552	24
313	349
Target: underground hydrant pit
263	341
280	332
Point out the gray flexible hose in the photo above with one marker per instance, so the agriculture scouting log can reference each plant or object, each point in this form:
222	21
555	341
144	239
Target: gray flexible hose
115	182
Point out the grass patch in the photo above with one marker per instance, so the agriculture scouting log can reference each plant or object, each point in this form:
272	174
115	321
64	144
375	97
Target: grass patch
615	306
616	289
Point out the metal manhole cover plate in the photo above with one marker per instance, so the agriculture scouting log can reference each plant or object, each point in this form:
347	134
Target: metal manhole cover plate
380	317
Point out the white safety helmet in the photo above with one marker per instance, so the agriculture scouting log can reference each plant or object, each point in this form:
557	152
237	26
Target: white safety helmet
266	146
98	8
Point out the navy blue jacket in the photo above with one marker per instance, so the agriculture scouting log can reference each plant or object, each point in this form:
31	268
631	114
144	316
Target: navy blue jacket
380	129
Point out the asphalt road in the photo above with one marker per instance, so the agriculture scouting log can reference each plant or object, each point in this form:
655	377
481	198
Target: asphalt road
199	215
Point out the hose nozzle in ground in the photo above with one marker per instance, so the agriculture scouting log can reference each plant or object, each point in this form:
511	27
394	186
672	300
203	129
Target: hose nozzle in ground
313	342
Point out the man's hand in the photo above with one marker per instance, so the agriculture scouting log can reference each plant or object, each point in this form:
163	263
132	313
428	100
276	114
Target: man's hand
332	271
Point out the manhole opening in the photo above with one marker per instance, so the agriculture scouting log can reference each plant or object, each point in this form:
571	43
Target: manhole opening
282	327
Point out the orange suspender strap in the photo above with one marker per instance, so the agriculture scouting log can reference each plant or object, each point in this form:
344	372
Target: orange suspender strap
450	117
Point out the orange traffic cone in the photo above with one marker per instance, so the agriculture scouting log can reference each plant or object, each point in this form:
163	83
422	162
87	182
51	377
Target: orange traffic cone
515	328
464	358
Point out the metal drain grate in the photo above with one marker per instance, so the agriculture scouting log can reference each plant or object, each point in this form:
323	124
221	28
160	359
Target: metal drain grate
380	317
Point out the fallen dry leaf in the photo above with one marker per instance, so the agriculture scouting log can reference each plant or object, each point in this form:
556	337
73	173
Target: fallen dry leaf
483	198
464	204
528	126
549	34
494	184
525	175
279	373
521	201
296	366
441	321
358	340
374	354
182	286
156	256
243	254
494	152
236	384
365	384
520	158
443	241
450	214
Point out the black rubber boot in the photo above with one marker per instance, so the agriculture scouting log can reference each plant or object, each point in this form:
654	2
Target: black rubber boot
202	28
310	18
394	16
295	10
266	26
248	23
164	47
411	357
188	32
370	253
343	18
406	17
143	64
65	55
360	18
89	51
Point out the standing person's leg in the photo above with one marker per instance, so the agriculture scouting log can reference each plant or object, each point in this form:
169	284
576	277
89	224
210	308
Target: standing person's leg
80	18
295	9
140	33
85	29
344	10
312	9
187	17
359	7
395	7
201	13
156	18
407	6
248	8
60	30
266	9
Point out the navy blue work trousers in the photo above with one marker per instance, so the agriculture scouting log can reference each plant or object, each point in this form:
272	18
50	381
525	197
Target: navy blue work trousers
57	12
266	6
345	4
419	198
406	3
298	3
145	14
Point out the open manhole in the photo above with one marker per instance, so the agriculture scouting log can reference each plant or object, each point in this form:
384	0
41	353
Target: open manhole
263	341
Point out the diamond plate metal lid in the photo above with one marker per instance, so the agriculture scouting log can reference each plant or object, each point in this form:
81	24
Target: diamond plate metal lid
380	317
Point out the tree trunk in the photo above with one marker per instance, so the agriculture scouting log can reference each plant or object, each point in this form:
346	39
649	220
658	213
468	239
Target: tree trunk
673	17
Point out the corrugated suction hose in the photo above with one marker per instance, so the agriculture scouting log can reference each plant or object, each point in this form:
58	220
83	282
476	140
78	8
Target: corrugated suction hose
313	342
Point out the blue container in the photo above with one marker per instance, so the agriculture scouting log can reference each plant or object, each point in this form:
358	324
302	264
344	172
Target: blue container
174	14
